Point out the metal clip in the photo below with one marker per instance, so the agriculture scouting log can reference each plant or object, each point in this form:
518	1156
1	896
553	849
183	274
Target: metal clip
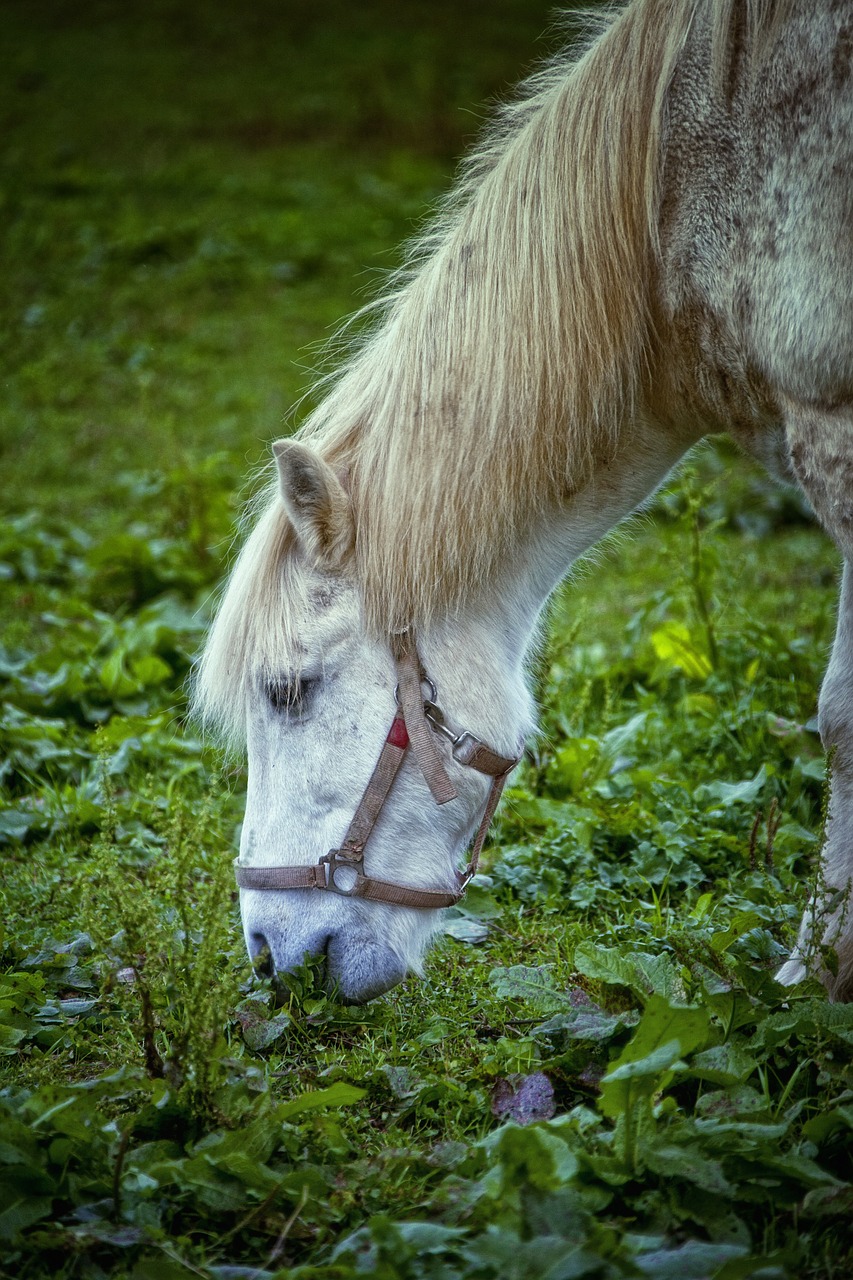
435	716
465	746
338	859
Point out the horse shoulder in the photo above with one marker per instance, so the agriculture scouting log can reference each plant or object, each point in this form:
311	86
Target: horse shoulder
755	297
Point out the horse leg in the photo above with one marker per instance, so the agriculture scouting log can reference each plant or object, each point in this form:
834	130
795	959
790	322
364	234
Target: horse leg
821	445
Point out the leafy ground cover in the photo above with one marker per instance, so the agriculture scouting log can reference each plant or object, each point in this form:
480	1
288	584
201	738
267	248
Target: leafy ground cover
598	1076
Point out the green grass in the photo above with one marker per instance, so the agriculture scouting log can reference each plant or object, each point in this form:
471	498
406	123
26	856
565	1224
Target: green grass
194	197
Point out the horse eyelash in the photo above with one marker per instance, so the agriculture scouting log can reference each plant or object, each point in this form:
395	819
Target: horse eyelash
290	696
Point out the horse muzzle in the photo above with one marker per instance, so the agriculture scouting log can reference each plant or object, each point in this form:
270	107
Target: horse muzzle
352	967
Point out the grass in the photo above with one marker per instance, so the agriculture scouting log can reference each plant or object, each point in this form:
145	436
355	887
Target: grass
194	197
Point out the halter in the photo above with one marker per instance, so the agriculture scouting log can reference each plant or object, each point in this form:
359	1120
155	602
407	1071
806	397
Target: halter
416	724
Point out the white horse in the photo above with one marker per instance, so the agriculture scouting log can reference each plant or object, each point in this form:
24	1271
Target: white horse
654	243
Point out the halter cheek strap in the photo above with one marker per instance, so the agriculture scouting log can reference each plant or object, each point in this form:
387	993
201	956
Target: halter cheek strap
414	726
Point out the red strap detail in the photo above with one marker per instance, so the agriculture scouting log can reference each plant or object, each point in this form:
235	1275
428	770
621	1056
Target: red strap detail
398	735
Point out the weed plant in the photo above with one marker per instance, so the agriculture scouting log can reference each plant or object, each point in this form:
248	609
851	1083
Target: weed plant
164	923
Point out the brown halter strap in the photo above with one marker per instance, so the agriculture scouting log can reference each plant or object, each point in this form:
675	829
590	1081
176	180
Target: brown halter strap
415	725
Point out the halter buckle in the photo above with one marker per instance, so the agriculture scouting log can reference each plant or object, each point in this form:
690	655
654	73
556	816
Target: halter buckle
338	859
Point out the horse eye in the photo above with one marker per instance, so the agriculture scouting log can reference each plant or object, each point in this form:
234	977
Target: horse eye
291	696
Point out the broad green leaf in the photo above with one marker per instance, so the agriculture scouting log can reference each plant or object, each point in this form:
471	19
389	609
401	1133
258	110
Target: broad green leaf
115	677
814	768
258	1140
532	1155
645	974
398	1240
150	670
801	1169
806	1020
654	1065
821	1127
741	1135
569	765
616	740
735	1100
211	1188
778	1265
695	1260
533	812
665	1034
662	1022
528	982
723	1064
741	923
465	929
501	1253
835	1019
246	1169
826	1202
725	794
14	825
688	1163
429	1237
21	1211
676	648
11	1037
259	1031
586	1022
337	1095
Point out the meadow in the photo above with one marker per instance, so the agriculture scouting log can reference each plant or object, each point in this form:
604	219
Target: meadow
598	1076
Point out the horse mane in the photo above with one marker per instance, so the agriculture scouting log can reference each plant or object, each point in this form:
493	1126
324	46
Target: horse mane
509	353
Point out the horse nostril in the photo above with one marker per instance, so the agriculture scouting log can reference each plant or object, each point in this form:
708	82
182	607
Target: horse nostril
261	956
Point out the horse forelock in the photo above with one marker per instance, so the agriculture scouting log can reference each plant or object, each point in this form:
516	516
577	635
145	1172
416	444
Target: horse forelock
255	628
509	354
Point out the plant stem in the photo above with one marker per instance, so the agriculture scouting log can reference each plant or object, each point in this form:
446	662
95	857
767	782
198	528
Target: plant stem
699	592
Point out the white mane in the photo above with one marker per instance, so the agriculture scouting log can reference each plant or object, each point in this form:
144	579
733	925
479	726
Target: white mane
509	357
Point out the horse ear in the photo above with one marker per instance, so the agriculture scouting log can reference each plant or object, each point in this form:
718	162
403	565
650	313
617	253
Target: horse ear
316	503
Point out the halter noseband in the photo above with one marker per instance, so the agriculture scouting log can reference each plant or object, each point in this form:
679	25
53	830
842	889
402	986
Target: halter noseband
415	725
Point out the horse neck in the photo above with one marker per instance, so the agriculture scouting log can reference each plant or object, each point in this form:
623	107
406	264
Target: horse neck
505	617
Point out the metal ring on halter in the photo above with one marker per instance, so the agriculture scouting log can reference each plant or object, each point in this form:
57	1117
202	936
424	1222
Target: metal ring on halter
433	698
338	859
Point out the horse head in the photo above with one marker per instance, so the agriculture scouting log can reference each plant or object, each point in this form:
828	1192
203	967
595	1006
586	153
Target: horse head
327	741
